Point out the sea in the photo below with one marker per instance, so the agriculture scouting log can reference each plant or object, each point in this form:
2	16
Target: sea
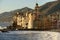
29	35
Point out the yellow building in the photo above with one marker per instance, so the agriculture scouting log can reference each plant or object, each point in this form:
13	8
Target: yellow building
24	21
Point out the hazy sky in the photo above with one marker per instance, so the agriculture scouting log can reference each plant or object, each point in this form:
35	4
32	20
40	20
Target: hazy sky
8	5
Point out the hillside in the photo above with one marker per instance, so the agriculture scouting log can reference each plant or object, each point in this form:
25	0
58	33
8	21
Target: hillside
50	7
7	16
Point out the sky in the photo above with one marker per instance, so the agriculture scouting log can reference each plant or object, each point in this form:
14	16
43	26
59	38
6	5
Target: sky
9	5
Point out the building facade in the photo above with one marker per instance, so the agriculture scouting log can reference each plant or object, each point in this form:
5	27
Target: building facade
36	20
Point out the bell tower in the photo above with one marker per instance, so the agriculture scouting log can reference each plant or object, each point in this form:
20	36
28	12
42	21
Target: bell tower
37	15
36	10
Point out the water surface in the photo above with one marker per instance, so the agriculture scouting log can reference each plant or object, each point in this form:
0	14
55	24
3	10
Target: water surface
29	35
